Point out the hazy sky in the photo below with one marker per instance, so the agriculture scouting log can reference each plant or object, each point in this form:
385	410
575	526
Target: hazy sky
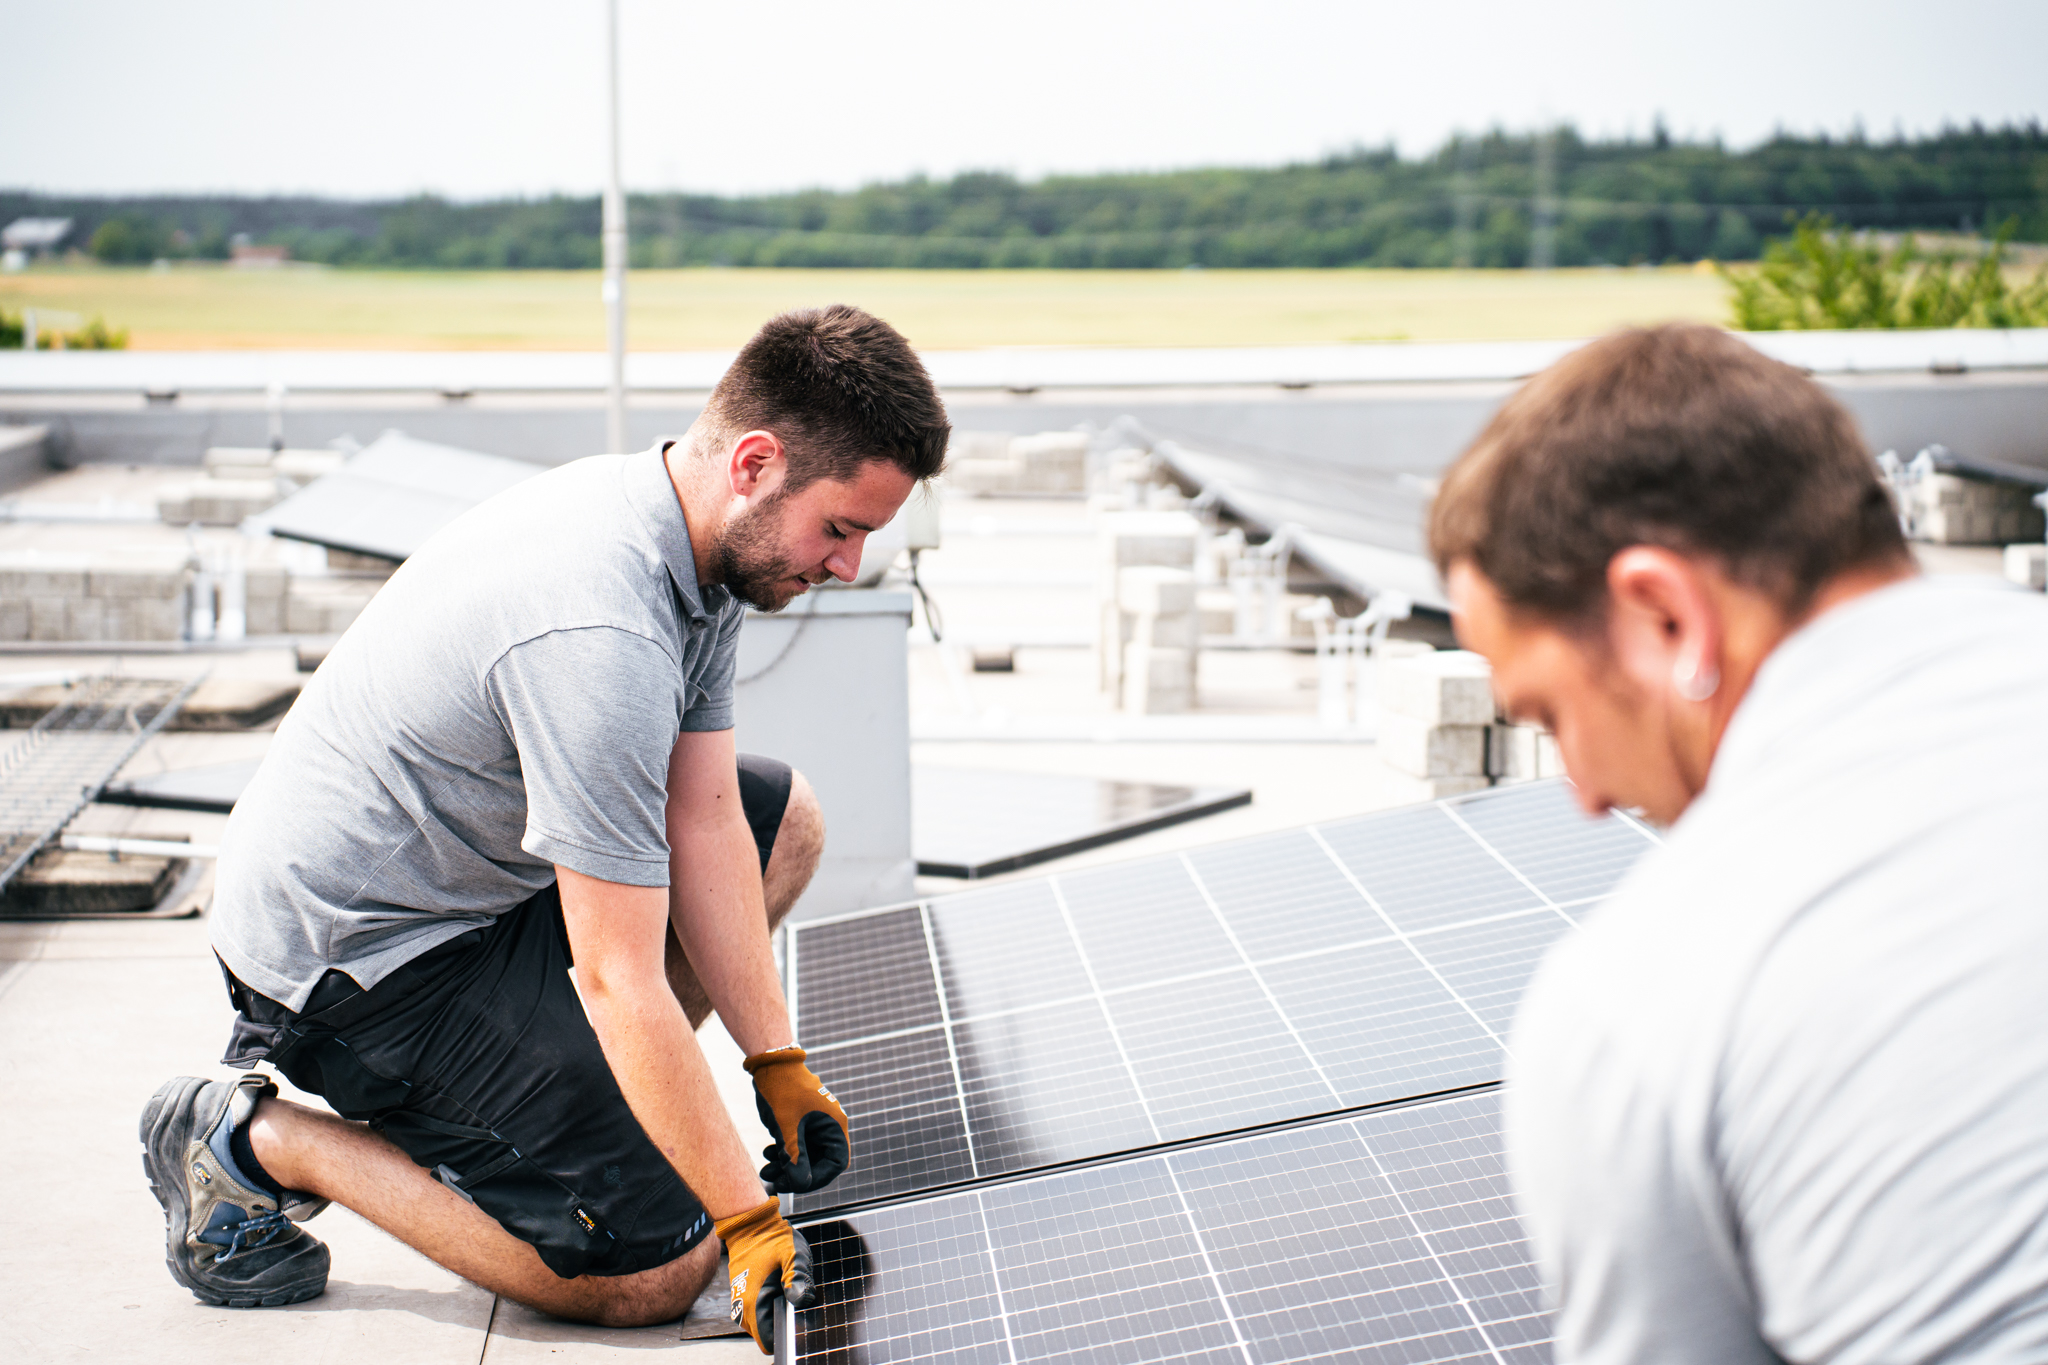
377	97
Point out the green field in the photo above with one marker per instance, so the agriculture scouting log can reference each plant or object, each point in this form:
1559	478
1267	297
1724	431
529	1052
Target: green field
195	307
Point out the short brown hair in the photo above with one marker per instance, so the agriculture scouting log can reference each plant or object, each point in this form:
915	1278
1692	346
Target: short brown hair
1680	436
839	387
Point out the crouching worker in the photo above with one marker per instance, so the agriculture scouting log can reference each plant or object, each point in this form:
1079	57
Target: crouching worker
521	759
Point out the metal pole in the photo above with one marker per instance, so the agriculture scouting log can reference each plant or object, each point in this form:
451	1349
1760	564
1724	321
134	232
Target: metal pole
614	246
1543	232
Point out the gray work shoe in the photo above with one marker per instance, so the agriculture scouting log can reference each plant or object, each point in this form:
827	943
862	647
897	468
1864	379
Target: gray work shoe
230	1241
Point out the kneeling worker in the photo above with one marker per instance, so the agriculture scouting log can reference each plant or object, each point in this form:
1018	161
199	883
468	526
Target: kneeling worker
521	758
1785	1096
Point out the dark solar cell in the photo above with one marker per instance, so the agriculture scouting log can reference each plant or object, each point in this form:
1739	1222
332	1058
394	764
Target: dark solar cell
1005	948
1380	1025
1489	963
1144	921
1281	894
1541	830
1425	870
911	1284
1211	1055
904	1111
861	977
1045	1086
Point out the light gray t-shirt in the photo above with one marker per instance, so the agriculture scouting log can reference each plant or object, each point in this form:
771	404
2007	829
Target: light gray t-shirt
508	702
1786	1096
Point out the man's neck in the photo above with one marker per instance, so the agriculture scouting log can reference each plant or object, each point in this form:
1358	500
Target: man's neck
697	515
1751	642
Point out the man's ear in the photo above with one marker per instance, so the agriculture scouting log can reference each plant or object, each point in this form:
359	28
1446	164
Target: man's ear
756	465
1662	621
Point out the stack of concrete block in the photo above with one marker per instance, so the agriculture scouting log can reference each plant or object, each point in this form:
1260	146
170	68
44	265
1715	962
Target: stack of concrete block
980	462
1053	461
1134	540
1951	509
2027	565
1050	462
1521	753
214	501
296	467
327	606
134	596
1435	710
237	462
1159	654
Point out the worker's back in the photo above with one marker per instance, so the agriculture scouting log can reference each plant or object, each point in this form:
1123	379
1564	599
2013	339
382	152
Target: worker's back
1787	1095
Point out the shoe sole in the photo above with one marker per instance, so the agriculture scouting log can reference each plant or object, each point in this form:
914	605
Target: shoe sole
172	1099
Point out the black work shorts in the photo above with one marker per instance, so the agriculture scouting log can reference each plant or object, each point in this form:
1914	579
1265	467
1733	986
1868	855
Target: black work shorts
477	1060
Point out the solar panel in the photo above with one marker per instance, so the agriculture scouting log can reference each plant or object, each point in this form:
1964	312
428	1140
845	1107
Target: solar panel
1383	1237
970	823
1090	1013
392	495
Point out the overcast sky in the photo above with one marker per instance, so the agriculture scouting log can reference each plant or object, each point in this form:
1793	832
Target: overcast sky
379	97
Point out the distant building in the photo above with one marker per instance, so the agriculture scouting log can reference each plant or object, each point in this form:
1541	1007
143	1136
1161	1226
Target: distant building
244	254
25	237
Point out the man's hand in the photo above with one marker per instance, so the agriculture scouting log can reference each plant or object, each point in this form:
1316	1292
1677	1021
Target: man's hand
813	1142
770	1261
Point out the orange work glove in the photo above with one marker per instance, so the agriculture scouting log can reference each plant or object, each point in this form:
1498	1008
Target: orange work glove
812	1144
770	1261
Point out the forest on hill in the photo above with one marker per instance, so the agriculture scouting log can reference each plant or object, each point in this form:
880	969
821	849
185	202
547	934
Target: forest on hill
1491	201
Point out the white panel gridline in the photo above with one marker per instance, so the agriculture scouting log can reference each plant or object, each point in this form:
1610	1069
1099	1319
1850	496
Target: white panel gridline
1274	978
1387	1237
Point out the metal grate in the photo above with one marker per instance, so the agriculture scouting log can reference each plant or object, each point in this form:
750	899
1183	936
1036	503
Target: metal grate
64	760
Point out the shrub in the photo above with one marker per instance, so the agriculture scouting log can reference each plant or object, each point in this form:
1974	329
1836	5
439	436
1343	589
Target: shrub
1822	277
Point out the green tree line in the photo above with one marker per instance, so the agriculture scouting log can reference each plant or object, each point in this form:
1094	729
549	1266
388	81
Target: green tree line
1475	200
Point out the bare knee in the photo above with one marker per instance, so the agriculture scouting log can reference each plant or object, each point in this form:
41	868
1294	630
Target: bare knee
647	1297
799	842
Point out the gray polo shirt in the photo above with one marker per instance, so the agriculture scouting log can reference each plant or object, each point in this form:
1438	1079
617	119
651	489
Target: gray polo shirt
507	703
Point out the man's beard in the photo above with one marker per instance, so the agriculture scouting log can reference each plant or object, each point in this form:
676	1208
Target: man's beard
750	564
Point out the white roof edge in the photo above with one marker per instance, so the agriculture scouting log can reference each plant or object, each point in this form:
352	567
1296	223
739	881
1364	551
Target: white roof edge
198	372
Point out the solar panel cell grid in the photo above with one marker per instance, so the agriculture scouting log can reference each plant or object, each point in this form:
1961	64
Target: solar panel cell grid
1047	1086
1101	1265
1381	1025
1386	1238
1424	870
1144	921
862	977
1569	857
1281	894
904	1108
1005	949
1212	1054
1102	1011
1488	964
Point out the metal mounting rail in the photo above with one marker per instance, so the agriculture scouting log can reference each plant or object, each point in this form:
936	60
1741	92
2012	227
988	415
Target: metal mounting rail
62	762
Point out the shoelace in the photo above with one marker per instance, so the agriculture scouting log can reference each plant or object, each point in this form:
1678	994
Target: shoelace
253	1232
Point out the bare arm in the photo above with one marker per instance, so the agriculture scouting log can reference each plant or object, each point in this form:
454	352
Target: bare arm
617	934
715	893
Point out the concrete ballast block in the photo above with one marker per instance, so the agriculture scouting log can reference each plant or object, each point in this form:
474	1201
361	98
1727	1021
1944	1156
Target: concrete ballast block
1411	746
1150	590
1158	681
1442	687
2027	565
